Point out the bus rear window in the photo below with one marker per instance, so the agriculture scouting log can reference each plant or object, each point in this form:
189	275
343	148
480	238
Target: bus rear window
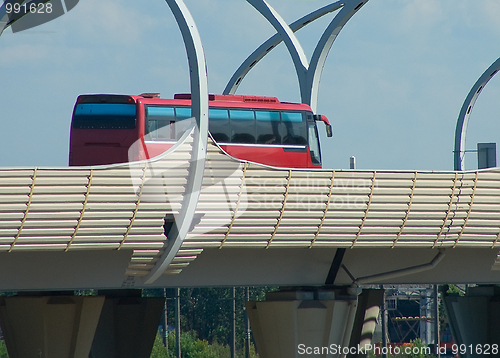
104	116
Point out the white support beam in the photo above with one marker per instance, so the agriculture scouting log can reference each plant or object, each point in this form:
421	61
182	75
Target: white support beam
272	42
308	74
7	21
323	48
463	117
199	108
292	43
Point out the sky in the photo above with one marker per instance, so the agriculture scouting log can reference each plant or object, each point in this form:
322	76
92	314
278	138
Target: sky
392	86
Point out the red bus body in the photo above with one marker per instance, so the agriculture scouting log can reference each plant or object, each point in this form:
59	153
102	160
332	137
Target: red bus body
93	144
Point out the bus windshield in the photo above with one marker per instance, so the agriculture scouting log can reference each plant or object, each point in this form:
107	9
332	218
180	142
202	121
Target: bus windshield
104	116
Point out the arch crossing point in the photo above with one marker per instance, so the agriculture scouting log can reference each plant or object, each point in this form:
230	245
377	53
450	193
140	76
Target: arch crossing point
308	74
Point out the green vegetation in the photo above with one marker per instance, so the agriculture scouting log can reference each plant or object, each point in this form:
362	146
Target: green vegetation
455	290
417	343
192	347
3	350
416	348
207	312
205	321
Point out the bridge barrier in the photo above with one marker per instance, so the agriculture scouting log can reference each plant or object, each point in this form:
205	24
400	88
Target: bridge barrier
243	205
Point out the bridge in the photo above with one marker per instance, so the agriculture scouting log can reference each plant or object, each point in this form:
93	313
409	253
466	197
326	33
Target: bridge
195	216
104	227
250	220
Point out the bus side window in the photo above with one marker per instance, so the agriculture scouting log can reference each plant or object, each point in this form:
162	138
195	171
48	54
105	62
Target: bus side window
182	125
151	127
159	123
268	127
295	128
242	126
218	124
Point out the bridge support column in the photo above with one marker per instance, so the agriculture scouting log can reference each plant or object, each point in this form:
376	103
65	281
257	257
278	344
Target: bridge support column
369	303
295	323
49	326
474	319
128	325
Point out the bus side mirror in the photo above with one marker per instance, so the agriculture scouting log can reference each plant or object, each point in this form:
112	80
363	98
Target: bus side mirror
329	132
322	118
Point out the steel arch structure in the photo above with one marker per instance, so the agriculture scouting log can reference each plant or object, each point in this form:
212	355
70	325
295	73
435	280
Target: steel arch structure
198	144
111	219
6	20
199	110
463	117
308	74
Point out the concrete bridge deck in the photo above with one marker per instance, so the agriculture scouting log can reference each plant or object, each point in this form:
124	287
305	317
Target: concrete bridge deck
115	216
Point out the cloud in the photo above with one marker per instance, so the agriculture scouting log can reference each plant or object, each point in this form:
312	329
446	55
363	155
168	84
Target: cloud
107	21
23	53
491	11
420	15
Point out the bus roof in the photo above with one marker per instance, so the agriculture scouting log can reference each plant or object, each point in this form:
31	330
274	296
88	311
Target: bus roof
232	98
185	99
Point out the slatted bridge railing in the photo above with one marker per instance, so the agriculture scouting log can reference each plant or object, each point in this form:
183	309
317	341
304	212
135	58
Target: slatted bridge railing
245	205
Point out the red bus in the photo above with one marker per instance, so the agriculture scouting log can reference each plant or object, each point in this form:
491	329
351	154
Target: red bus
257	129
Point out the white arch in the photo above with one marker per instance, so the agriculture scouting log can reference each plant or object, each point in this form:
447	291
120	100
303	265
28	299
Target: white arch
272	42
199	110
463	117
323	48
292	43
309	75
6	20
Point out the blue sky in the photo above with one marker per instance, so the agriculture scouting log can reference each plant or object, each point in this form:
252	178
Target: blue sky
392	86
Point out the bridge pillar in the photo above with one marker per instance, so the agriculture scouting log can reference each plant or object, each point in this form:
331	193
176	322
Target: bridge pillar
295	323
58	326
474	319
369	303
127	326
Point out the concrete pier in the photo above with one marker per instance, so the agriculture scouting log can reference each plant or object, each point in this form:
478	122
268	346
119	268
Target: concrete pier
49	326
113	324
127	326
295	323
474	320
